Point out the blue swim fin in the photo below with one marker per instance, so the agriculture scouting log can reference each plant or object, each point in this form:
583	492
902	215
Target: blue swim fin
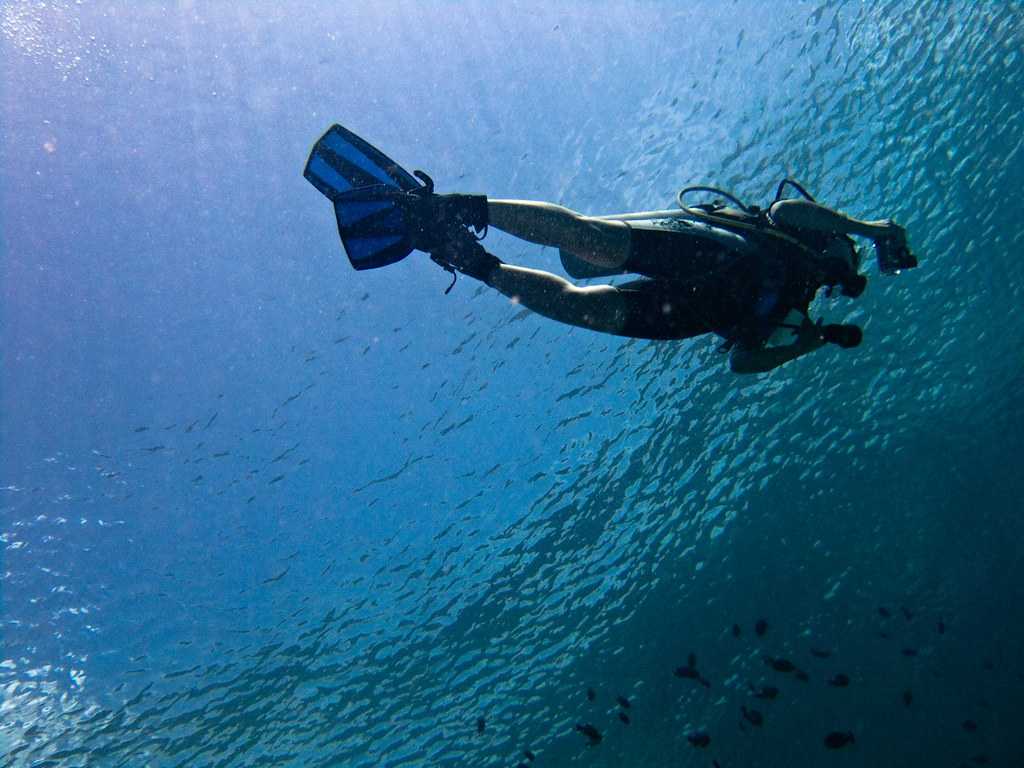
364	185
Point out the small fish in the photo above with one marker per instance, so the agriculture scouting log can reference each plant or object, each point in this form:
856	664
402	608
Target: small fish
481	724
906	613
590	694
686	672
884	612
752	716
761	627
140	430
624	717
820	653
970	726
909	652
908	697
780	665
736	631
769	692
838	739
980	759
529	755
593	735
623	701
839	681
279	576
690	673
801	676
941	626
699	739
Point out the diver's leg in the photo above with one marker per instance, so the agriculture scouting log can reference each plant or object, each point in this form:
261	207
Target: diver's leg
597	307
642	309
597	241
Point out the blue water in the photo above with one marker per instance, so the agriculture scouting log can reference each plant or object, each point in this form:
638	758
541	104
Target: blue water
259	509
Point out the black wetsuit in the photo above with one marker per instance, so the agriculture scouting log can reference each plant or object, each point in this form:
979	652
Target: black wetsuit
693	285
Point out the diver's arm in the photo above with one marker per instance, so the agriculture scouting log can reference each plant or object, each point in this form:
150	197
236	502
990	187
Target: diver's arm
596	307
762	359
598	241
811	336
766	358
803	214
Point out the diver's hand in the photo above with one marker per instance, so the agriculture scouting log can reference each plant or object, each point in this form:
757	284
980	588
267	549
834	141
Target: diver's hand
810	335
895	235
892	250
894	238
845	336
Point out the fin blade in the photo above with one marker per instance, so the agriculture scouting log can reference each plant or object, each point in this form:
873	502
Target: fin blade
341	162
362	182
372	227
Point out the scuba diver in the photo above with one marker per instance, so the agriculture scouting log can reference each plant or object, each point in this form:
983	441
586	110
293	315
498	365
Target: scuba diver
745	274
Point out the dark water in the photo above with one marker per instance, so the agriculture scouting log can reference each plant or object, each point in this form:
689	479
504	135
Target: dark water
258	509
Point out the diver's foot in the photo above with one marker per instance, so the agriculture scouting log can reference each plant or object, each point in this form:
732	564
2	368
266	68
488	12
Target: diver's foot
464	253
432	218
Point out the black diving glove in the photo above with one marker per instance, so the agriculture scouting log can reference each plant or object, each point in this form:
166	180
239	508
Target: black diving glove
892	252
846	336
